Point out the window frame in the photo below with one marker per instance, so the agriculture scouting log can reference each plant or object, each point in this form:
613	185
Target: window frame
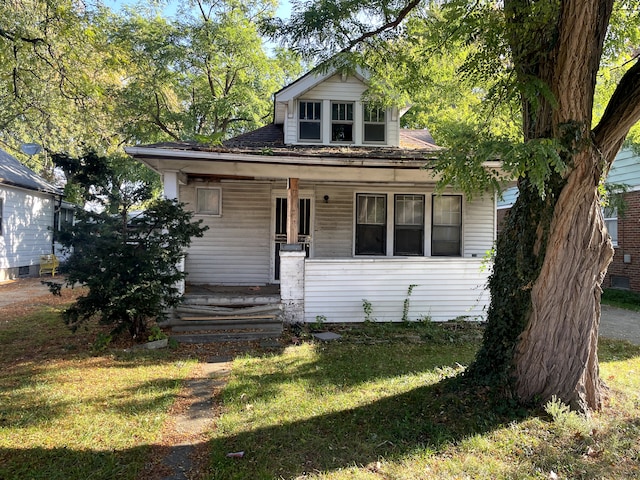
611	219
360	228
343	121
367	110
208	213
318	121
1	216
399	227
435	226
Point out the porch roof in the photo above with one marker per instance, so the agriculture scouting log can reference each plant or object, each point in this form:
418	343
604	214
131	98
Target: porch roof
263	154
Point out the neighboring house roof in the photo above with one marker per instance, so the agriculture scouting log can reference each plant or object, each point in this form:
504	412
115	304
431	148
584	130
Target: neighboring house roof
14	173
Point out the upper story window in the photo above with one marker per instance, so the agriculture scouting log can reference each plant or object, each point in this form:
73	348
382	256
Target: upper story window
374	124
341	122
309	120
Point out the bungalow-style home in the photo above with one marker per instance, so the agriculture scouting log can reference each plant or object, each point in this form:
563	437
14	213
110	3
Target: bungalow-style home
335	203
28	206
624	270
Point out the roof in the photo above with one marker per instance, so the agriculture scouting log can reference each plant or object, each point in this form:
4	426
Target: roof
269	140
14	173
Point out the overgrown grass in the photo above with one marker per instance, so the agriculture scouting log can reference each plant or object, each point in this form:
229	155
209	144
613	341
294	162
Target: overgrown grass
621	298
388	401
68	414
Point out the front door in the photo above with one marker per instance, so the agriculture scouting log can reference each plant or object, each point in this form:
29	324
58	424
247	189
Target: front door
280	229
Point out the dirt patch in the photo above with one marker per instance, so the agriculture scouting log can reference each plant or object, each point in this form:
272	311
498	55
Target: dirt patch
20	297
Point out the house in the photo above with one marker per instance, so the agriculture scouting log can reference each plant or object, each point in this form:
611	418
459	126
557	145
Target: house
28	204
624	270
333	203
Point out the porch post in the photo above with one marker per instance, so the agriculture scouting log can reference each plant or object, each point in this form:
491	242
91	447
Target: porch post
292	282
171	187
293	207
292	257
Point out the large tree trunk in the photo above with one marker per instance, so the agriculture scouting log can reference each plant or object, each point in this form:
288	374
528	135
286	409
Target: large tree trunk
556	354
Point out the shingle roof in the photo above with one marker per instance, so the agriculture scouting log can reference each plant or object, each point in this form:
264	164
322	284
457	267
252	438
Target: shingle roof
414	144
14	173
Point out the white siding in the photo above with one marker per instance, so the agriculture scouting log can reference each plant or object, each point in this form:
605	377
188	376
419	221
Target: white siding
236	248
333	229
446	288
626	170
478	226
27	220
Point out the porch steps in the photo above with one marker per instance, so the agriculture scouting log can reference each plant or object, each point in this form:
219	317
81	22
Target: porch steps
226	318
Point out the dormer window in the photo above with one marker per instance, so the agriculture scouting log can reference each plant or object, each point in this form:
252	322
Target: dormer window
310	118
342	122
374	124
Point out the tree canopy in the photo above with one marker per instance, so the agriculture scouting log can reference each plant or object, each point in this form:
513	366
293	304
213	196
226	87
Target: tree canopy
77	75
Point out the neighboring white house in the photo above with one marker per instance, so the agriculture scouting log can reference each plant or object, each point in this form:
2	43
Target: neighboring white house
368	223
27	207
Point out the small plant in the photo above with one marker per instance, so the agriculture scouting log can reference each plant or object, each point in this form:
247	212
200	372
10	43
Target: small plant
368	311
155	333
101	342
405	305
567	421
319	323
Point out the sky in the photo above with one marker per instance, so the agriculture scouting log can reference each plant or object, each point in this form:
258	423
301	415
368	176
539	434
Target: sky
284	10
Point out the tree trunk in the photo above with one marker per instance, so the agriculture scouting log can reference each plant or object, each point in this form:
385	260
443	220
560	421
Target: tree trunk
556	354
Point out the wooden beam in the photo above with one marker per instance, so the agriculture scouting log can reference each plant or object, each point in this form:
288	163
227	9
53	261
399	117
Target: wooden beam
293	207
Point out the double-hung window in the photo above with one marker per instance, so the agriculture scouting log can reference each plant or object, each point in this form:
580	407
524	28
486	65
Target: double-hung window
371	224
374	124
409	225
309	118
611	222
342	122
446	227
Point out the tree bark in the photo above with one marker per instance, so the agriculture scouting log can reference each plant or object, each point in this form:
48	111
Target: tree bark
556	354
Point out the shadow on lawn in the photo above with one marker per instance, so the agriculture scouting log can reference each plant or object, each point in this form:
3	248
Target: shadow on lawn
430	417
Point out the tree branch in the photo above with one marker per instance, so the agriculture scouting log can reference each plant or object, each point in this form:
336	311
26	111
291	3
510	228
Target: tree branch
622	112
387	26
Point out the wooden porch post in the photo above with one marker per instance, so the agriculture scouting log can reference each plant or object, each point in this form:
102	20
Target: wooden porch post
293	207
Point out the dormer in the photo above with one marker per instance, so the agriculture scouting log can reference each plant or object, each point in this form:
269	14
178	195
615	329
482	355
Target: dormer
327	109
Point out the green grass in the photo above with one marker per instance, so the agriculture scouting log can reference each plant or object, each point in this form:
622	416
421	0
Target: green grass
68	414
387	402
621	298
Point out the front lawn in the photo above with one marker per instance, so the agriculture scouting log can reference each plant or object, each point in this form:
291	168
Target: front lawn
387	402
67	413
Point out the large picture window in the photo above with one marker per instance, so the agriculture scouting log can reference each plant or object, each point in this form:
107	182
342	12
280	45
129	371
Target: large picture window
446	228
309	120
341	122
371	224
374	124
209	201
409	225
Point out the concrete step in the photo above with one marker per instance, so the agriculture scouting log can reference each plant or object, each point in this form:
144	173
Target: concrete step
224	337
221	327
231	300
